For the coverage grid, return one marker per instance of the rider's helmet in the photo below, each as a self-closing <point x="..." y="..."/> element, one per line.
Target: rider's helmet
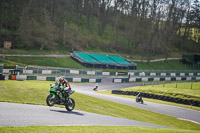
<point x="61" y="79"/>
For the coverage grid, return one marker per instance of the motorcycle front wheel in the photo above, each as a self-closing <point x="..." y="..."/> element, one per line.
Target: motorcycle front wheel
<point x="70" y="104"/>
<point x="136" y="100"/>
<point x="50" y="100"/>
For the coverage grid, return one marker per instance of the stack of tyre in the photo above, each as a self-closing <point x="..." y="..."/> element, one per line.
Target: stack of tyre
<point x="160" y="97"/>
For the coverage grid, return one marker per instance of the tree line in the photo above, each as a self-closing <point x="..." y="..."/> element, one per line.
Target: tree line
<point x="149" y="26"/>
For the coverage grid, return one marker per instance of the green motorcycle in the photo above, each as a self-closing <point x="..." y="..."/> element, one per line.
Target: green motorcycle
<point x="60" y="98"/>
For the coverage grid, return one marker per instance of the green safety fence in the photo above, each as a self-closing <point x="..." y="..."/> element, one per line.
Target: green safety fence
<point x="162" y="79"/>
<point x="98" y="80"/>
<point x="173" y="79"/>
<point x="138" y="79"/>
<point x="84" y="80"/>
<point x="69" y="79"/>
<point x="150" y="79"/>
<point x="50" y="78"/>
<point x="31" y="78"/>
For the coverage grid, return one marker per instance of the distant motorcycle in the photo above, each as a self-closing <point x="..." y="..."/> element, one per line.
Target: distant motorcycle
<point x="139" y="99"/>
<point x="56" y="97"/>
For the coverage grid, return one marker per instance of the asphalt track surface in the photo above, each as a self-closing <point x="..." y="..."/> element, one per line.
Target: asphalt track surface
<point x="14" y="114"/>
<point x="178" y="112"/>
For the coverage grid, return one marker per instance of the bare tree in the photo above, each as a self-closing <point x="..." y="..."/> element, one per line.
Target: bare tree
<point x="195" y="20"/>
<point x="103" y="15"/>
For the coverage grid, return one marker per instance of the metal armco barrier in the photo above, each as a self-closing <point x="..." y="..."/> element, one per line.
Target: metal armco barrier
<point x="160" y="97"/>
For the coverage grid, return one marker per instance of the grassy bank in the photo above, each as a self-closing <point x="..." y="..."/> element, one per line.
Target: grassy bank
<point x="68" y="62"/>
<point x="152" y="100"/>
<point x="34" y="51"/>
<point x="35" y="92"/>
<point x="162" y="65"/>
<point x="91" y="129"/>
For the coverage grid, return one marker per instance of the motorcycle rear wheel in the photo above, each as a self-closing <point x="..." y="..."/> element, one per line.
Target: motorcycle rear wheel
<point x="50" y="101"/>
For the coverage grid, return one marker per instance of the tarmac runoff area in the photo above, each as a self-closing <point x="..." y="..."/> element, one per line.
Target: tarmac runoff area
<point x="14" y="114"/>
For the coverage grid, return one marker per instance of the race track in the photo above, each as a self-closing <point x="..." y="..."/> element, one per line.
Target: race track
<point x="14" y="114"/>
<point x="179" y="112"/>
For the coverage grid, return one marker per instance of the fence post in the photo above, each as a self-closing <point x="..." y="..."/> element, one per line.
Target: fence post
<point x="191" y="85"/>
<point x="37" y="71"/>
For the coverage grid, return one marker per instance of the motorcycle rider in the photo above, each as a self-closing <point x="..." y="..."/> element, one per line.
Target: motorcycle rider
<point x="139" y="98"/>
<point x="64" y="87"/>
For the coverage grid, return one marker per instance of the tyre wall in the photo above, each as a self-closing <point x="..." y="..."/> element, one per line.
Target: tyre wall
<point x="159" y="97"/>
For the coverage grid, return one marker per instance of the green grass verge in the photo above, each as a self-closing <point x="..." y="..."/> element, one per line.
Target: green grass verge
<point x="179" y="90"/>
<point x="65" y="62"/>
<point x="152" y="100"/>
<point x="35" y="92"/>
<point x="68" y="62"/>
<point x="90" y="129"/>
<point x="162" y="65"/>
<point x="34" y="51"/>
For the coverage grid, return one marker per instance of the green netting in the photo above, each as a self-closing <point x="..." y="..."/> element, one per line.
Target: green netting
<point x="119" y="60"/>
